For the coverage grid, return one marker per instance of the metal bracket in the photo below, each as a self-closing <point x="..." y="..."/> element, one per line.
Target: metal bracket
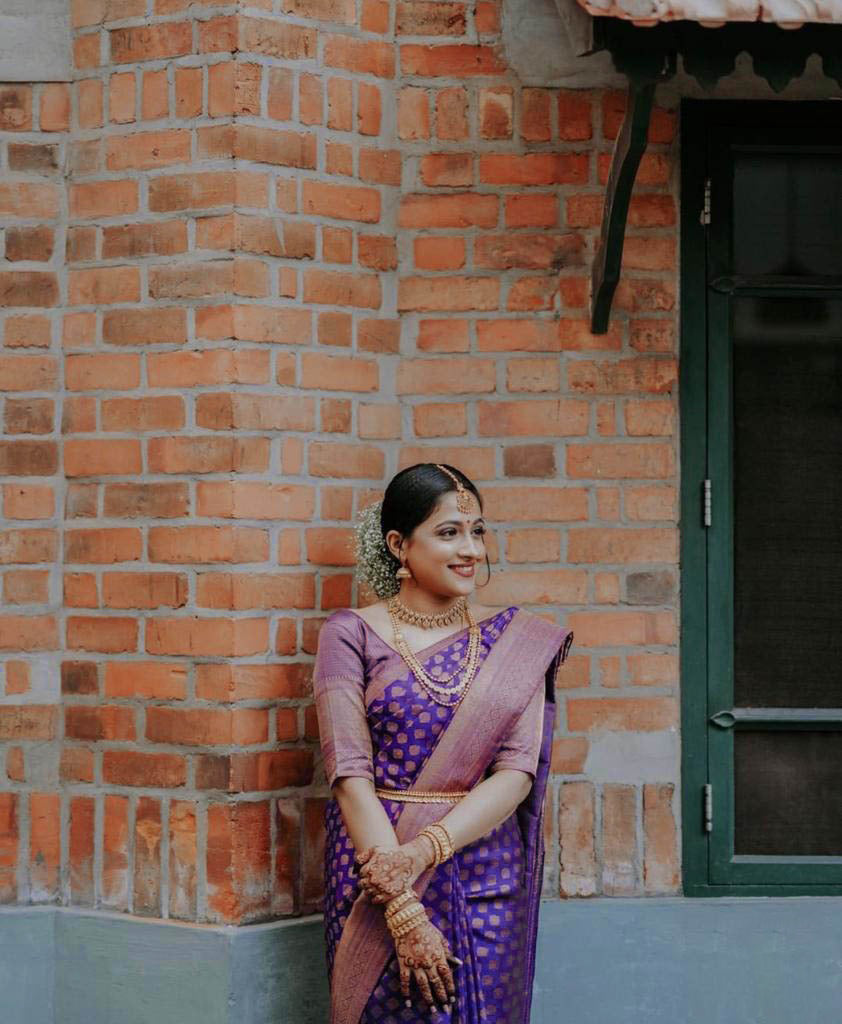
<point x="708" y="797"/>
<point x="704" y="217"/>
<point x="708" y="504"/>
<point x="628" y="151"/>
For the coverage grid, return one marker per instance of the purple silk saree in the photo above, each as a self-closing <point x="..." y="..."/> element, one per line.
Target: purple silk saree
<point x="375" y="721"/>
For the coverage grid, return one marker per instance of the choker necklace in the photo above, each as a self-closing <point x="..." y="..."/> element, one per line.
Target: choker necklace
<point x="397" y="608"/>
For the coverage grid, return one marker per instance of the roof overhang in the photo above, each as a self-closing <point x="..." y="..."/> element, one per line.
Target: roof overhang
<point x="648" y="54"/>
<point x="715" y="13"/>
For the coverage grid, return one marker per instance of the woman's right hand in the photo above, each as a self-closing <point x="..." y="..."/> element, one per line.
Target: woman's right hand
<point x="423" y="954"/>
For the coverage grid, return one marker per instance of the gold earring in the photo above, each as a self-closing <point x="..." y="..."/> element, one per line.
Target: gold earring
<point x="403" y="573"/>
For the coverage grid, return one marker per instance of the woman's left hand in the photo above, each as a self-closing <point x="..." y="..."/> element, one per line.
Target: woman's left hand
<point x="386" y="873"/>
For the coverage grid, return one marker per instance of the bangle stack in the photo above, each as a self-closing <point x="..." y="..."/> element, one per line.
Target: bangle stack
<point x="403" y="913"/>
<point x="442" y="843"/>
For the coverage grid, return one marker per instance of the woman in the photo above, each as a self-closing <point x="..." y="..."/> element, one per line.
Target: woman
<point x="436" y="743"/>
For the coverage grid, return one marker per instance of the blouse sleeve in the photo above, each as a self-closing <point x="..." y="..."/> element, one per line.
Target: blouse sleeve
<point x="522" y="747"/>
<point x="339" y="692"/>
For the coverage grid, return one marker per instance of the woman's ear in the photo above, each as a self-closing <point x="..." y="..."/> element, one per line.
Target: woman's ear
<point x="393" y="543"/>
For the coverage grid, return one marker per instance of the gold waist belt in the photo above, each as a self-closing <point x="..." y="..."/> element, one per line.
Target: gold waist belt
<point x="422" y="796"/>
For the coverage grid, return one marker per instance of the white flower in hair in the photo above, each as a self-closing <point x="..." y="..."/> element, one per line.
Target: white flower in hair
<point x="376" y="565"/>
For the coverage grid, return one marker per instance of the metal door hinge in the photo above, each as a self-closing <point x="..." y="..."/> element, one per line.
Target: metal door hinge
<point x="708" y="797"/>
<point x="707" y="510"/>
<point x="705" y="215"/>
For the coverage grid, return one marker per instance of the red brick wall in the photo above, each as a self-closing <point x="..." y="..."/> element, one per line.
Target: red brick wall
<point x="271" y="258"/>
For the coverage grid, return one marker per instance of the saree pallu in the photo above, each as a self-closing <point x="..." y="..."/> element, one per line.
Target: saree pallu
<point x="377" y="722"/>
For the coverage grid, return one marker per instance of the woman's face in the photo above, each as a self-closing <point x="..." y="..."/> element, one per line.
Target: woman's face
<point x="446" y="540"/>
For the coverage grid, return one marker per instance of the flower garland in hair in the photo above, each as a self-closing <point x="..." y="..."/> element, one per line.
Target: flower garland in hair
<point x="376" y="565"/>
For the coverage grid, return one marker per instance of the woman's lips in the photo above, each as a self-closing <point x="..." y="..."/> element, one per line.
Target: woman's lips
<point x="462" y="570"/>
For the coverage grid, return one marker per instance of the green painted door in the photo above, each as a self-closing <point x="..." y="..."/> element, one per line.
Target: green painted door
<point x="762" y="497"/>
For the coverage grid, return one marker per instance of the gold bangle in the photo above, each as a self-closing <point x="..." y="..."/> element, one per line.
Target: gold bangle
<point x="403" y="915"/>
<point x="406" y="926"/>
<point x="401" y="900"/>
<point x="438" y="849"/>
<point x="409" y="925"/>
<point x="446" y="839"/>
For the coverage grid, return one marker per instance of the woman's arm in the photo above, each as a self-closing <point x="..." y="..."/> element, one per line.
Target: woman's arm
<point x="364" y="816"/>
<point x="487" y="805"/>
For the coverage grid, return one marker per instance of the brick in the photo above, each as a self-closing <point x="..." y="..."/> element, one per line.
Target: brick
<point x="276" y="39"/>
<point x="151" y="42"/>
<point x="238" y="861"/>
<point x="414" y="18"/>
<point x="361" y="56"/>
<point x="531" y="460"/>
<point x="533" y="545"/>
<point x="618" y="628"/>
<point x="219" y="35"/>
<point x="87" y="51"/>
<point x="347" y="461"/>
<point x="28" y="416"/>
<point x="342" y="202"/>
<point x="92" y="372"/>
<point x="182" y="859"/>
<point x="375" y="16"/>
<point x="144" y="326"/>
<point x="115" y="850"/>
<point x="447" y="169"/>
<point x="255" y="412"/>
<point x="574" y="116"/>
<point x="652" y="335"/>
<point x="55" y="107"/>
<point x="619" y="840"/>
<point x="450" y="61"/>
<point x="149" y="770"/>
<point x="76" y="764"/>
<point x="44" y="847"/>
<point x="191" y="280"/>
<point x="535" y="115"/>
<point x="439" y="253"/>
<point x="208" y="368"/>
<point x="28" y="288"/>
<point x="121" y="98"/>
<point x="16" y="108"/>
<point x="529" y="251"/>
<point x="272" y="146"/>
<point x="661" y="871"/>
<point x="340" y="104"/>
<point x="650" y="419"/>
<point x="335" y="289"/>
<point x="99" y="723"/>
<point x="207" y="727"/>
<point x="27" y="722"/>
<point x="103" y="199"/>
<point x="146" y="680"/>
<point x="239" y="591"/>
<point x="377" y="252"/>
<point x="146" y="881"/>
<point x="620" y="461"/>
<point x="496" y="113"/>
<point x="189" y="85"/>
<point x="104" y="286"/>
<point x="154" y="101"/>
<point x="209" y="637"/>
<point x="460" y="210"/>
<point x="160" y="238"/>
<point x="369" y="109"/>
<point x="147" y="150"/>
<point x="576" y="828"/>
<point x="534" y="168"/>
<point x="380" y="166"/>
<point x="29" y="244"/>
<point x="28" y="502"/>
<point x="533" y="418"/>
<point x="533" y="375"/>
<point x="540" y="211"/>
<point x="26" y="587"/>
<point x="413" y="113"/>
<point x="661" y="125"/>
<point x="41" y="159"/>
<point x="452" y="114"/>
<point x="108" y="635"/>
<point x="615" y="545"/>
<point x="542" y="504"/>
<point x="86" y="13"/>
<point x="448" y="293"/>
<point x="29" y="199"/>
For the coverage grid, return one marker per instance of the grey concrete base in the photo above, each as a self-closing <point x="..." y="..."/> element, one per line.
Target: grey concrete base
<point x="600" y="961"/>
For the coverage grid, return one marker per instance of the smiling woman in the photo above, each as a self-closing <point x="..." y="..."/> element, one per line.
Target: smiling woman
<point x="436" y="745"/>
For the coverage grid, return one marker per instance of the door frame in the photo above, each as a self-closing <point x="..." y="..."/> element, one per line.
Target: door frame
<point x="702" y="312"/>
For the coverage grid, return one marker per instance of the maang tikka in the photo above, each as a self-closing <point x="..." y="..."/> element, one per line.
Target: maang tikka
<point x="464" y="501"/>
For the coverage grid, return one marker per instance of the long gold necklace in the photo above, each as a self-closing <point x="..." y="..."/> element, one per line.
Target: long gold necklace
<point x="455" y="694"/>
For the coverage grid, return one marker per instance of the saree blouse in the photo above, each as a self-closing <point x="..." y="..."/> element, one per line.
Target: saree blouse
<point x="351" y="653"/>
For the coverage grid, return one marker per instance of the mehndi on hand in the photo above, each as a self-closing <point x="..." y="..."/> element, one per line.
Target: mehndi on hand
<point x="385" y="873"/>
<point x="423" y="954"/>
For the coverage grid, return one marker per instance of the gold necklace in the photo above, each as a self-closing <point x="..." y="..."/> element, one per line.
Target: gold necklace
<point x="427" y="621"/>
<point x="430" y="685"/>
